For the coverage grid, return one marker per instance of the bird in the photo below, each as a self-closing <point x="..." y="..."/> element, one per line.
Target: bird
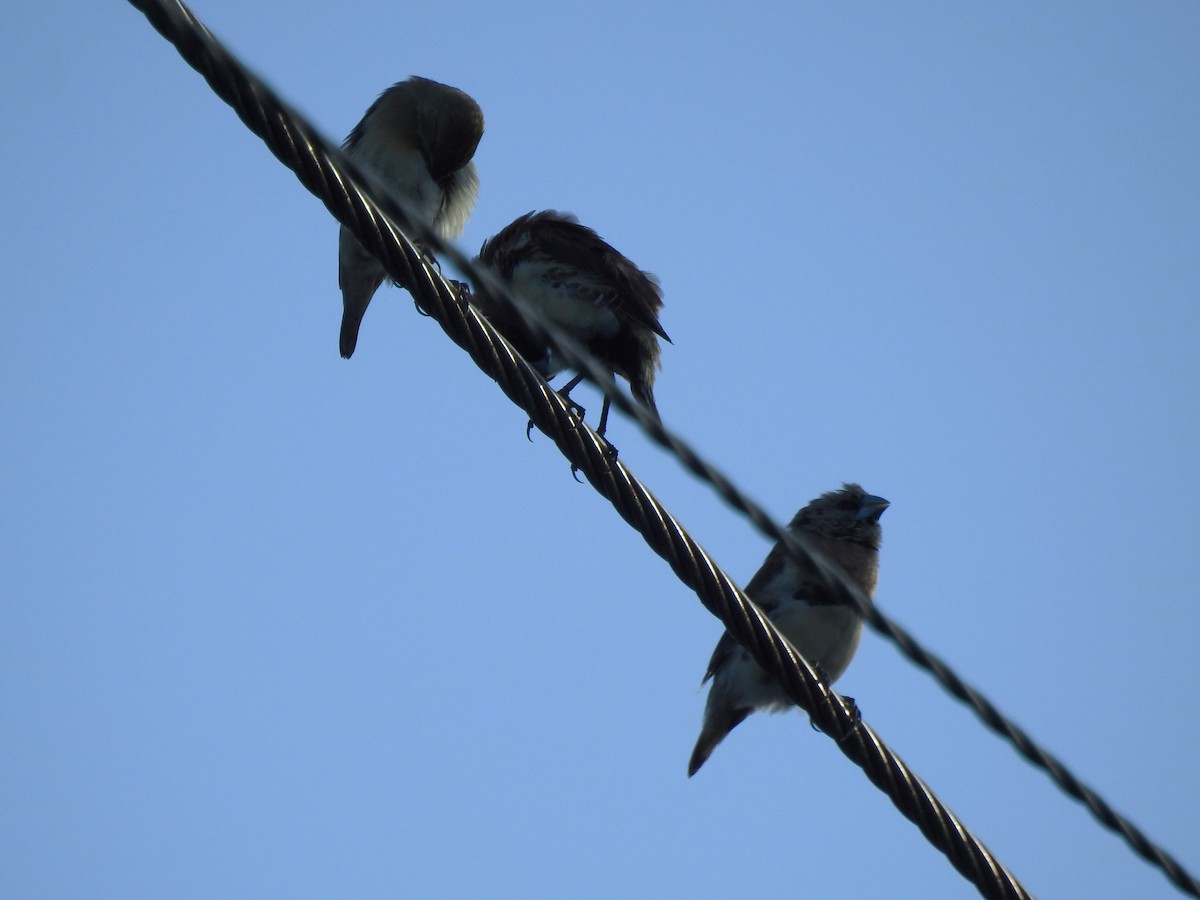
<point x="843" y="525"/>
<point x="586" y="287"/>
<point x="417" y="140"/>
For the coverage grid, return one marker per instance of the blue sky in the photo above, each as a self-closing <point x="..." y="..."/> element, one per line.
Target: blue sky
<point x="278" y="624"/>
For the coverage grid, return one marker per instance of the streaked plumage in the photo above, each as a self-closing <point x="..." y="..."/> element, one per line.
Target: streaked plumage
<point x="844" y="526"/>
<point x="586" y="287"/>
<point x="417" y="139"/>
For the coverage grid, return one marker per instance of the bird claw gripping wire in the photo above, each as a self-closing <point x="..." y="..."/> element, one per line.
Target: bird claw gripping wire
<point x="575" y="408"/>
<point x="431" y="261"/>
<point x="851" y="707"/>
<point x="848" y="703"/>
<point x="610" y="457"/>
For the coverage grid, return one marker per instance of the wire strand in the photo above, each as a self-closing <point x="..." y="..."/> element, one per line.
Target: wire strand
<point x="382" y="229"/>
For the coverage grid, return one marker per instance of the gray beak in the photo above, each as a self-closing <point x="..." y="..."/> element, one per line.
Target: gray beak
<point x="872" y="507"/>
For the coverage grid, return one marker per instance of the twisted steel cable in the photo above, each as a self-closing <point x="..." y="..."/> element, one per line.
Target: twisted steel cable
<point x="340" y="185"/>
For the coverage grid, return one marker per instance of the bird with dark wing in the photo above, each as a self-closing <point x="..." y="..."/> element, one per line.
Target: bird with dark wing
<point x="842" y="525"/>
<point x="583" y="285"/>
<point x="417" y="140"/>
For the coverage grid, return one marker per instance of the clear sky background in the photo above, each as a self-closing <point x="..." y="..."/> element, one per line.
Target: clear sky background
<point x="275" y="624"/>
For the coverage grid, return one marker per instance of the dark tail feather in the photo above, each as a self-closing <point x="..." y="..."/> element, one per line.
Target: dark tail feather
<point x="704" y="748"/>
<point x="715" y="729"/>
<point x="359" y="276"/>
<point x="348" y="339"/>
<point x="644" y="392"/>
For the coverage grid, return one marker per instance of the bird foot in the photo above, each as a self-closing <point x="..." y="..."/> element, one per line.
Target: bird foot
<point x="823" y="677"/>
<point x="610" y="450"/>
<point x="576" y="410"/>
<point x="432" y="262"/>
<point x="610" y="457"/>
<point x="851" y="707"/>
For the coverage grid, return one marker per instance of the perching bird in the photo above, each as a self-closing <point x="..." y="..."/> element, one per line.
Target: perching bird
<point x="585" y="287"/>
<point x="844" y="526"/>
<point x="417" y="139"/>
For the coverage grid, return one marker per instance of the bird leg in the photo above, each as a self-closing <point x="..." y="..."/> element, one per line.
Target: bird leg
<point x="603" y="418"/>
<point x="611" y="448"/>
<point x="565" y="393"/>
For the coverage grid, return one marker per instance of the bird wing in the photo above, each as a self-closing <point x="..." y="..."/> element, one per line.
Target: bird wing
<point x="631" y="293"/>
<point x="767" y="601"/>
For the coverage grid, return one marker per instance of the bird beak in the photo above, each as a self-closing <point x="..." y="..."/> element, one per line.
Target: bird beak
<point x="872" y="507"/>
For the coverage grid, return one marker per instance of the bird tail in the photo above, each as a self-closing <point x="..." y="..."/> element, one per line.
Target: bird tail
<point x="644" y="392"/>
<point x="717" y="724"/>
<point x="348" y="338"/>
<point x="359" y="276"/>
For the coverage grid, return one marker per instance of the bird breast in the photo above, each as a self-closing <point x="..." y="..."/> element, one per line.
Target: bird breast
<point x="824" y="635"/>
<point x="401" y="169"/>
